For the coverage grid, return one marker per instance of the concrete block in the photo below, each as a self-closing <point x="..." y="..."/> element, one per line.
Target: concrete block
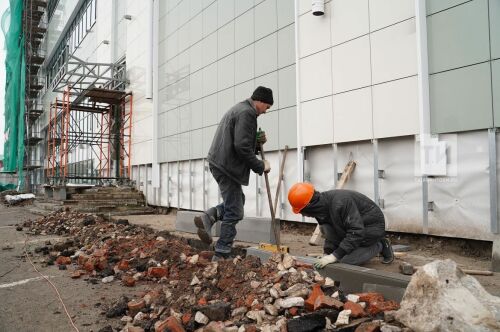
<point x="353" y="278"/>
<point x="254" y="230"/>
<point x="59" y="193"/>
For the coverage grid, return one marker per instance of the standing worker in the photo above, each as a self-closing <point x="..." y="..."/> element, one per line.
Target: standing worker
<point x="231" y="157"/>
<point x="352" y="224"/>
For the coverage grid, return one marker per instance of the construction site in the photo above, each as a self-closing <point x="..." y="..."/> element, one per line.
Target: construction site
<point x="365" y="198"/>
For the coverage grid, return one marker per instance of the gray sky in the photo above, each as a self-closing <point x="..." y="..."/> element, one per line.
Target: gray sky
<point x="3" y="6"/>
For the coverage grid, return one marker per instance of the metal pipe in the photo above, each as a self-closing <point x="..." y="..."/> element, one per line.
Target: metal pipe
<point x="376" y="194"/>
<point x="424" y="104"/>
<point x="152" y="7"/>
<point x="300" y="165"/>
<point x="493" y="180"/>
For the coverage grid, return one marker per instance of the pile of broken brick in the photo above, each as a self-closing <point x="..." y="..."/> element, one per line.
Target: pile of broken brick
<point x="188" y="292"/>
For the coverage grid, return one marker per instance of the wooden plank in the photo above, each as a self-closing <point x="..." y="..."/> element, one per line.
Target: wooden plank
<point x="346" y="175"/>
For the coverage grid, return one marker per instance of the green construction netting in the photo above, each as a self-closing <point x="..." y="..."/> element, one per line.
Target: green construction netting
<point x="15" y="73"/>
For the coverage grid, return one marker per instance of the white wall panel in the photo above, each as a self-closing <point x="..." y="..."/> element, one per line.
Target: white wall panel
<point x="317" y="119"/>
<point x="209" y="49"/>
<point x="244" y="30"/>
<point x="251" y="196"/>
<point x="195" y="57"/>
<point x="266" y="55"/>
<point x="209" y="107"/>
<point x="286" y="13"/>
<point x="352" y="116"/>
<point x="184" y="185"/>
<point x="461" y="203"/>
<point x="304" y="7"/>
<point x="243" y="91"/>
<point x="244" y="64"/>
<point x="288" y="127"/>
<point x="225" y="100"/>
<point x="196" y="110"/>
<point x="195" y="29"/>
<point x="226" y="40"/>
<point x="174" y="184"/>
<point x="209" y="79"/>
<point x="184" y="12"/>
<point x="196" y="144"/>
<point x="314" y="33"/>
<point x="209" y="17"/>
<point x="286" y="84"/>
<point x="225" y="72"/>
<point x="286" y="46"/>
<point x="387" y="12"/>
<point x="320" y="167"/>
<point x="394" y="52"/>
<point x="400" y="190"/>
<point x="164" y="183"/>
<point x="184" y="146"/>
<point x="350" y="65"/>
<point x="266" y="20"/>
<point x="434" y="6"/>
<point x="362" y="154"/>
<point x="494" y="18"/>
<point x="349" y="19"/>
<point x="196" y="85"/>
<point x="242" y="6"/>
<point x="197" y="183"/>
<point x="173" y="120"/>
<point x="269" y="123"/>
<point x="225" y="11"/>
<point x="208" y="136"/>
<point x="185" y="118"/>
<point x="315" y="75"/>
<point x="395" y="108"/>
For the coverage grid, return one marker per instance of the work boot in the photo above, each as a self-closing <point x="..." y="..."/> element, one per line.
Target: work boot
<point x="387" y="252"/>
<point x="204" y="223"/>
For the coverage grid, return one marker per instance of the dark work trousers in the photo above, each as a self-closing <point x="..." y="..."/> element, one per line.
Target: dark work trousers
<point x="361" y="255"/>
<point x="230" y="211"/>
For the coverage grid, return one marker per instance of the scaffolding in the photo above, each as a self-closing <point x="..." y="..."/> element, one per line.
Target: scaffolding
<point x="105" y="129"/>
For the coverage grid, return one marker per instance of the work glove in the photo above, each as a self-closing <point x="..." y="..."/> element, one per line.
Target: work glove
<point x="261" y="137"/>
<point x="267" y="166"/>
<point x="325" y="260"/>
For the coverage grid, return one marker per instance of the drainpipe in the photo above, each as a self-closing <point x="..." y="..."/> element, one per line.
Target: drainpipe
<point x="300" y="152"/>
<point x="423" y="97"/>
<point x="152" y="25"/>
<point x="155" y="11"/>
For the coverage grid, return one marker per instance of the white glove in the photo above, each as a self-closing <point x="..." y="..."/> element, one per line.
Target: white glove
<point x="267" y="166"/>
<point x="325" y="260"/>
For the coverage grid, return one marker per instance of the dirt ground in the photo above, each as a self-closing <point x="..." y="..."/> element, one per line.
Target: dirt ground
<point x="30" y="304"/>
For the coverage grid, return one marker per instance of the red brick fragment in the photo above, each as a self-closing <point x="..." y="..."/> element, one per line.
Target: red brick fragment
<point x="63" y="260"/>
<point x="99" y="253"/>
<point x="299" y="264"/>
<point x="101" y="264"/>
<point x="202" y="301"/>
<point x="249" y="300"/>
<point x="157" y="272"/>
<point x="356" y="309"/>
<point x="82" y="259"/>
<point x="186" y="318"/>
<point x="135" y="306"/>
<point x="312" y="298"/>
<point x="225" y="283"/>
<point x="293" y="311"/>
<point x="170" y="324"/>
<point x="327" y="302"/>
<point x="128" y="281"/>
<point x="123" y="265"/>
<point x="382" y="306"/>
<point x="368" y="327"/>
<point x="370" y="297"/>
<point x="89" y="265"/>
<point x="76" y="274"/>
<point x="250" y="328"/>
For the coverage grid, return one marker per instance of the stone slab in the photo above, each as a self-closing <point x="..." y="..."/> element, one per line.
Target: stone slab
<point x="353" y="278"/>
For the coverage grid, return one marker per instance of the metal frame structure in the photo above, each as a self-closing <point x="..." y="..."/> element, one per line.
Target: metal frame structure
<point x="103" y="128"/>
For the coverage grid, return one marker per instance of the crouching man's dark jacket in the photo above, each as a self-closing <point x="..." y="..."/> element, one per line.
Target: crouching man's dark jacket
<point x="234" y="145"/>
<point x="348" y="220"/>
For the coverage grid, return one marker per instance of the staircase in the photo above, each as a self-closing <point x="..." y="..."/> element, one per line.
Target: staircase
<point x="107" y="200"/>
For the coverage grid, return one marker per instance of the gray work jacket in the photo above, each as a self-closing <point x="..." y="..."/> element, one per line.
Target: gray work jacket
<point x="234" y="145"/>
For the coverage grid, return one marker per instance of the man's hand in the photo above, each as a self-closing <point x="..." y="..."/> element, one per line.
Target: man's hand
<point x="325" y="260"/>
<point x="267" y="166"/>
<point x="261" y="137"/>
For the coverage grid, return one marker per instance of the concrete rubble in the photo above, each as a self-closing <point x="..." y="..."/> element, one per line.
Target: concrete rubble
<point x="440" y="297"/>
<point x="188" y="292"/>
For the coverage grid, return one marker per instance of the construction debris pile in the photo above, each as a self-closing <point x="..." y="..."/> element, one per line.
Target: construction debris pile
<point x="189" y="292"/>
<point x="13" y="197"/>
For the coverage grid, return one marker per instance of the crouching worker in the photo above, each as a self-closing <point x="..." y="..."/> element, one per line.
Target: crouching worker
<point x="352" y="224"/>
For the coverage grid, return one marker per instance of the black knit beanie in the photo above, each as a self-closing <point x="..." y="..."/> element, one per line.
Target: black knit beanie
<point x="263" y="94"/>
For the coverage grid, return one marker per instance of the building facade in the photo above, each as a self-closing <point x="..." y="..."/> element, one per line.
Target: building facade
<point x="409" y="89"/>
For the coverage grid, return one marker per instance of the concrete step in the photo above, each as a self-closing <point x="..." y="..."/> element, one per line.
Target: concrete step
<point x="114" y="202"/>
<point x="109" y="190"/>
<point x="107" y="196"/>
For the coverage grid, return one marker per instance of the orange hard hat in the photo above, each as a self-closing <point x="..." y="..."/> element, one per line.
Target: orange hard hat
<point x="299" y="195"/>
